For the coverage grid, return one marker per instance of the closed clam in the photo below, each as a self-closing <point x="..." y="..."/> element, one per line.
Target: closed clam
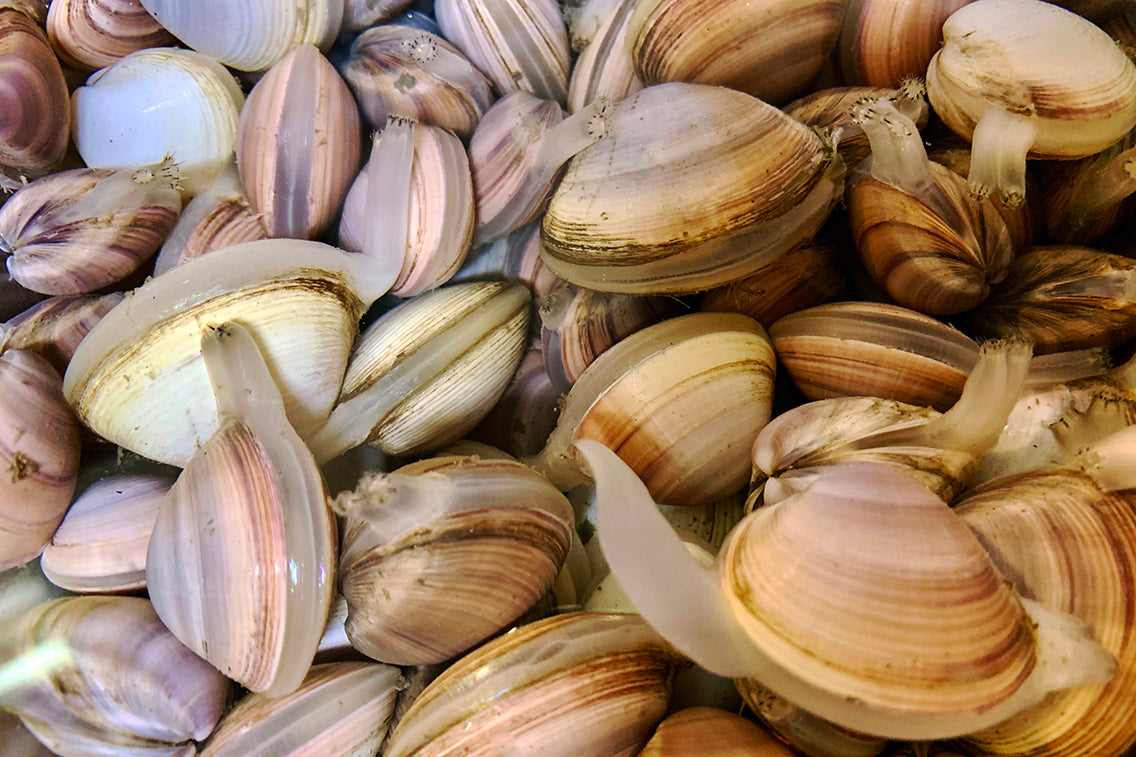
<point x="427" y="372"/>
<point x="604" y="68"/>
<point x="37" y="111"/>
<point x="526" y="413"/>
<point x="406" y="72"/>
<point x="81" y="230"/>
<point x="1022" y="77"/>
<point x="693" y="186"/>
<point x="579" y="683"/>
<point x="443" y="553"/>
<point x="155" y="103"/>
<point x="54" y="327"/>
<point x="241" y="560"/>
<point x="138" y="380"/>
<point x="681" y="401"/>
<point x="95" y="33"/>
<point x="770" y="50"/>
<point x="254" y="36"/>
<point x="883" y="42"/>
<point x="1088" y="198"/>
<point x="297" y="157"/>
<point x="340" y="710"/>
<point x="867" y="349"/>
<point x="39" y="455"/>
<point x="705" y="730"/>
<point x="105" y="678"/>
<point x="889" y="618"/>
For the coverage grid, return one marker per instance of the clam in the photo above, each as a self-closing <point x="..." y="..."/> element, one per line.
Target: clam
<point x="705" y="730"/>
<point x="411" y="208"/>
<point x="1053" y="86"/>
<point x="1088" y="198"/>
<point x="39" y="455"/>
<point x="770" y="50"/>
<point x="427" y="372"/>
<point x="525" y="415"/>
<point x="81" y="230"/>
<point x="517" y="45"/>
<point x="579" y="683"/>
<point x="693" y="187"/>
<point x="102" y="677"/>
<point x="37" y="111"/>
<point x="884" y="42"/>
<point x="362" y="14"/>
<point x="89" y="34"/>
<point x="1063" y="298"/>
<point x="443" y="553"/>
<point x="252" y="37"/>
<point x="920" y="234"/>
<point x="866" y="349"/>
<point x="887" y="618"/>
<point x="604" y="68"/>
<point x="298" y="144"/>
<point x="54" y="327"/>
<point x="401" y="71"/>
<point x="940" y="450"/>
<point x="681" y="401"/>
<point x="340" y="710"/>
<point x="101" y="544"/>
<point x="138" y="379"/>
<point x="155" y="103"/>
<point x="241" y="560"/>
<point x="1070" y="544"/>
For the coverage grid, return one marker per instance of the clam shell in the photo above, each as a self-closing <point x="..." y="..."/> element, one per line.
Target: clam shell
<point x="696" y="186"/>
<point x="680" y="402"/>
<point x="517" y="45"/>
<point x="155" y="103"/>
<point x="253" y="36"/>
<point x="340" y="710"/>
<point x="444" y="553"/>
<point x="884" y="42"/>
<point x="297" y="157"/>
<point x="113" y="681"/>
<point x="39" y="455"/>
<point x="864" y="349"/>
<point x="95" y="33"/>
<point x="771" y="50"/>
<point x="409" y="73"/>
<point x="427" y="372"/>
<point x="1062" y="298"/>
<point x="604" y="68"/>
<point x="580" y="683"/>
<point x="55" y="327"/>
<point x="101" y="544"/>
<point x="525" y="415"/>
<point x="35" y="102"/>
<point x="705" y="730"/>
<point x="138" y="379"/>
<point x="1072" y="548"/>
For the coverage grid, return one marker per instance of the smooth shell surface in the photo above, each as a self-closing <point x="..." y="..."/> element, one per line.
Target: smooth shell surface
<point x="96" y="33"/>
<point x="37" y="114"/>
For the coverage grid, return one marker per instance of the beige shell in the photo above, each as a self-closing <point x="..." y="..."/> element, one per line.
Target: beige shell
<point x="95" y="33"/>
<point x="106" y="678"/>
<point x="884" y="42"/>
<point x="241" y="560"/>
<point x="770" y="50"/>
<point x="698" y="731"/>
<point x="604" y="68"/>
<point x="33" y="142"/>
<point x="681" y="402"/>
<point x="138" y="379"/>
<point x="1072" y="548"/>
<point x="254" y="36"/>
<point x="401" y="71"/>
<point x="443" y="553"/>
<point x="579" y="683"/>
<point x="1063" y="298"/>
<point x="55" y="327"/>
<point x="340" y="709"/>
<point x="517" y="45"/>
<point x="865" y="349"/>
<point x="298" y="145"/>
<point x="101" y="544"/>
<point x="427" y="372"/>
<point x="526" y="413"/>
<point x="693" y="187"/>
<point x="39" y="455"/>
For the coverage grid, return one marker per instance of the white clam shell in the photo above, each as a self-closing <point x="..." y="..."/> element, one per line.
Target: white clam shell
<point x="159" y="102"/>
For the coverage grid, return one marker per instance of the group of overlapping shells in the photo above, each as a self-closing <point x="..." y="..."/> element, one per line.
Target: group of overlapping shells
<point x="486" y="377"/>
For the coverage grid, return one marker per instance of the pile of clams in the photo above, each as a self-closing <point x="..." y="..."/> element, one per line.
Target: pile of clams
<point x="583" y="378"/>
